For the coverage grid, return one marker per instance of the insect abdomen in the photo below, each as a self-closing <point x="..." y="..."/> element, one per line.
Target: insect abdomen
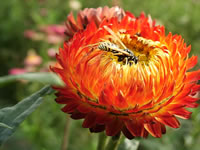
<point x="110" y="47"/>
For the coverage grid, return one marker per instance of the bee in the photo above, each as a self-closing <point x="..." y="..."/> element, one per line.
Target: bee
<point x="125" y="52"/>
<point x="122" y="53"/>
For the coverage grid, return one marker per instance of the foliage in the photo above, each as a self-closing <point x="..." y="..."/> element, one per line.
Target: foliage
<point x="45" y="78"/>
<point x="11" y="117"/>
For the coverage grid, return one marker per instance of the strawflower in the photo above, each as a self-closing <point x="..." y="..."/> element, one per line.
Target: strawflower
<point x="116" y="93"/>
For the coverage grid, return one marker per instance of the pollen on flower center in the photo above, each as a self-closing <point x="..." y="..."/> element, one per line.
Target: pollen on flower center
<point x="141" y="50"/>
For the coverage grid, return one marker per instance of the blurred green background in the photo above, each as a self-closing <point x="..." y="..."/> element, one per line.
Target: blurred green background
<point x="44" y="129"/>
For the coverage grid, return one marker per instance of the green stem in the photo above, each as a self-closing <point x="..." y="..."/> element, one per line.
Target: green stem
<point x="113" y="142"/>
<point x="66" y="134"/>
<point x="102" y="141"/>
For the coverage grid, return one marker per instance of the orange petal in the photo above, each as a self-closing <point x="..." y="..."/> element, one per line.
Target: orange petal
<point x="136" y="128"/>
<point x="192" y="62"/>
<point x="89" y="120"/>
<point x="114" y="127"/>
<point x="193" y="76"/>
<point x="70" y="107"/>
<point x="154" y="129"/>
<point x="170" y="121"/>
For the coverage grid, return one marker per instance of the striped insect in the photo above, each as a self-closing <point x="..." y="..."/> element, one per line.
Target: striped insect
<point x="111" y="47"/>
<point x="125" y="53"/>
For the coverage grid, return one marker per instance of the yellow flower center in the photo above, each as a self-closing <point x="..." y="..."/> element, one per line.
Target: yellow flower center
<point x="129" y="50"/>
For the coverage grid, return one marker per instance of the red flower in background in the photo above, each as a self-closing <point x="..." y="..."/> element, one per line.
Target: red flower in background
<point x="122" y="74"/>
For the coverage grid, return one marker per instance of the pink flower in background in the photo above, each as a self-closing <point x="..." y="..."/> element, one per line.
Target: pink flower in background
<point x="15" y="71"/>
<point x="52" y="52"/>
<point x="55" y="34"/>
<point x="31" y="62"/>
<point x="49" y="34"/>
<point x="30" y="34"/>
<point x="54" y="39"/>
<point x="52" y="34"/>
<point x="53" y="29"/>
<point x="32" y="59"/>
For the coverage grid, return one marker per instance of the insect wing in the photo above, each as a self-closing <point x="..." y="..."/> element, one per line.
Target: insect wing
<point x="115" y="36"/>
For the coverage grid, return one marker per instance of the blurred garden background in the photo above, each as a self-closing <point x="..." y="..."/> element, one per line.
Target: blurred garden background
<point x="31" y="31"/>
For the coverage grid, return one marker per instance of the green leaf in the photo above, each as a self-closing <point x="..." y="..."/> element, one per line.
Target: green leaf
<point x="4" y="125"/>
<point x="15" y="115"/>
<point x="42" y="77"/>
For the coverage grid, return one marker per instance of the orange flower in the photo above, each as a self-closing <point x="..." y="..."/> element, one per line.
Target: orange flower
<point x="125" y="75"/>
